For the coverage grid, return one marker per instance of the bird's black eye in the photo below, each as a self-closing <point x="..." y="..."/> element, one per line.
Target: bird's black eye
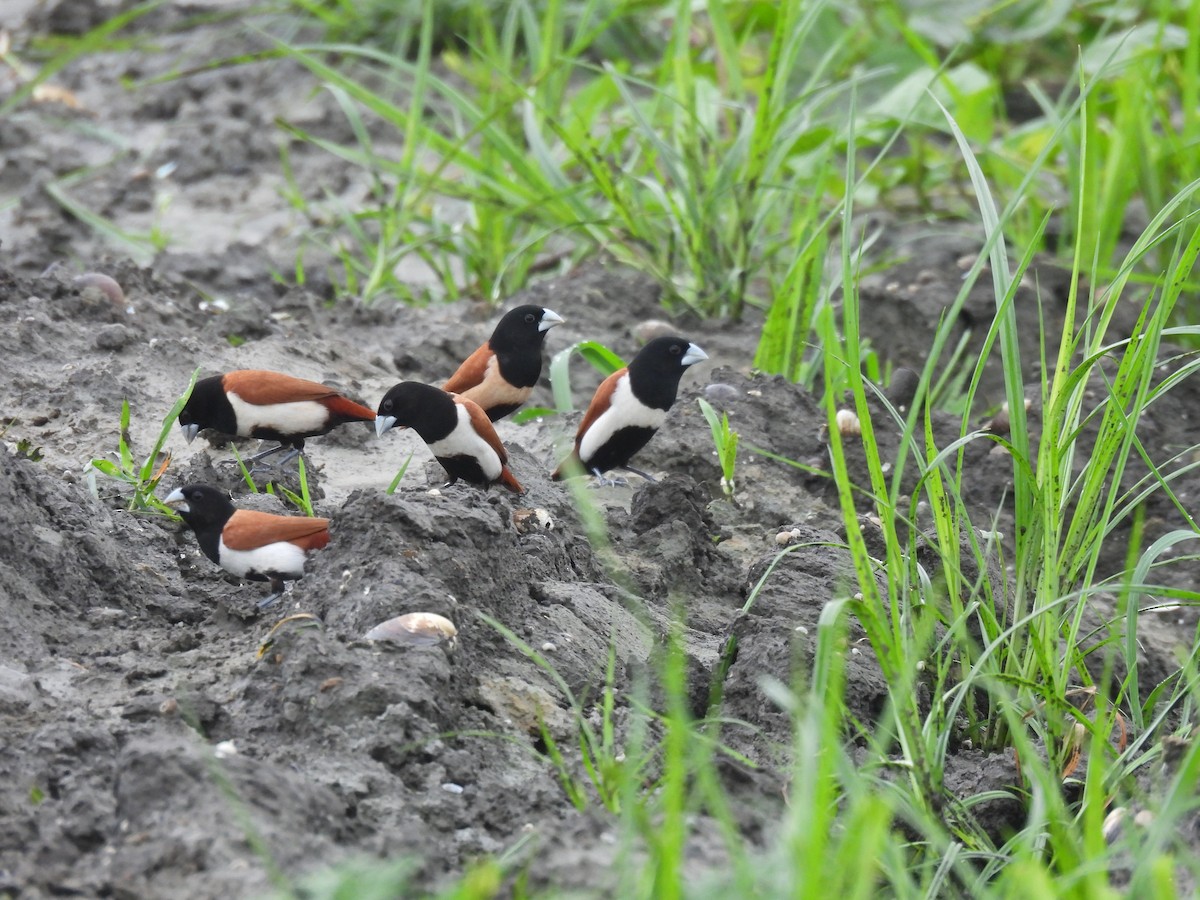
<point x="387" y="404"/>
<point x="676" y="349"/>
<point x="530" y="318"/>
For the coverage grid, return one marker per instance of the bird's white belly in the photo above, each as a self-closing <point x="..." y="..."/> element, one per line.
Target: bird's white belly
<point x="465" y="441"/>
<point x="289" y="418"/>
<point x="281" y="558"/>
<point x="624" y="411"/>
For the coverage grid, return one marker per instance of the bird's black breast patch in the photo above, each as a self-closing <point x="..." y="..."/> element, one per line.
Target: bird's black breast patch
<point x="465" y="467"/>
<point x="521" y="369"/>
<point x="619" y="449"/>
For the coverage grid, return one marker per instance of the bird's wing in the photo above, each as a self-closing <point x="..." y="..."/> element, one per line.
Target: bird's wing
<point x="483" y="427"/>
<point x="265" y="388"/>
<point x="471" y="372"/>
<point x="249" y="529"/>
<point x="601" y="401"/>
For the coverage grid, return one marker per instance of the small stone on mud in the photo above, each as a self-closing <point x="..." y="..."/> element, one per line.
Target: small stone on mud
<point x="114" y="337"/>
<point x="168" y="707"/>
<point x="903" y="388"/>
<point x="549" y="647"/>
<point x="721" y="395"/>
<point x="104" y="614"/>
<point x="451" y="788"/>
<point x="650" y="329"/>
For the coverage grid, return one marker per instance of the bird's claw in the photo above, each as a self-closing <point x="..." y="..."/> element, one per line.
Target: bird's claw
<point x="603" y="481"/>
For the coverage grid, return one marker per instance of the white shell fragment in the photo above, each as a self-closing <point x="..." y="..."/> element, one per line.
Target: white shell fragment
<point x="225" y="749"/>
<point x="787" y="537"/>
<point x="847" y="422"/>
<point x="104" y="285"/>
<point x="420" y="629"/>
<point x="527" y="520"/>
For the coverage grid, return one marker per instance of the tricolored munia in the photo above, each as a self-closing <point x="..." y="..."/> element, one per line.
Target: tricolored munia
<point x="502" y="373"/>
<point x="254" y="545"/>
<point x="629" y="406"/>
<point x="269" y="405"/>
<point x="457" y="430"/>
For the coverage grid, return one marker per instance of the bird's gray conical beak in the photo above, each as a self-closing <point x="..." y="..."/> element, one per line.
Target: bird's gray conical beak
<point x="190" y="431"/>
<point x="549" y="319"/>
<point x="175" y="500"/>
<point x="694" y="355"/>
<point x="383" y="424"/>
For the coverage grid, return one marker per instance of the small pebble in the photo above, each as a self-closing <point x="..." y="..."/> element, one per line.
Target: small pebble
<point x="650" y="329"/>
<point x="451" y="788"/>
<point x="548" y="647"/>
<point x="721" y="395"/>
<point x="114" y="337"/>
<point x="105" y="614"/>
<point x="903" y="388"/>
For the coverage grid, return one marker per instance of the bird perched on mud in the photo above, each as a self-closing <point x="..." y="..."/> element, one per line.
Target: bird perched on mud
<point x="268" y="405"/>
<point x="501" y="374"/>
<point x="254" y="545"/>
<point x="628" y="407"/>
<point x="457" y="430"/>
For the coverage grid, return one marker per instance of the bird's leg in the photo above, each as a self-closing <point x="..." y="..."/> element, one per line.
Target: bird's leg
<point x="265" y="453"/>
<point x="604" y="481"/>
<point x="286" y="458"/>
<point x="276" y="592"/>
<point x="275" y="464"/>
<point x="649" y="478"/>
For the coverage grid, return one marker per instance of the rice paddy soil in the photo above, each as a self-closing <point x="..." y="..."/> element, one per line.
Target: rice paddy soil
<point x="162" y="738"/>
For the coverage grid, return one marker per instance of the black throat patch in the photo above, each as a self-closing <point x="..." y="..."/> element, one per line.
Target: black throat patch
<point x="208" y="407"/>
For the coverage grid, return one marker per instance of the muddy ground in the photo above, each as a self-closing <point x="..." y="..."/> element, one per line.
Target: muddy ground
<point x="148" y="749"/>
